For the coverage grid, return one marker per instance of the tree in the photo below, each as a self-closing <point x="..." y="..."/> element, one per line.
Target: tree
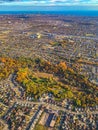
<point x="62" y="65"/>
<point x="78" y="102"/>
<point x="22" y="74"/>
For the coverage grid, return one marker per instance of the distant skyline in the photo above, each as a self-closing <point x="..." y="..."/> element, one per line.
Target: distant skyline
<point x="37" y="5"/>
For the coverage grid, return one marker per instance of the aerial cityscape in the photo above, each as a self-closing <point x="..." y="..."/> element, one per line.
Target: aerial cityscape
<point x="48" y="65"/>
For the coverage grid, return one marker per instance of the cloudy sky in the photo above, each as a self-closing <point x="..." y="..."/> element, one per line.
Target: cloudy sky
<point x="87" y="4"/>
<point x="49" y="2"/>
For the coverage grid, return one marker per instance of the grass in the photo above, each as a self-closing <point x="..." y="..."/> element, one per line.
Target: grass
<point x="43" y="75"/>
<point x="40" y="127"/>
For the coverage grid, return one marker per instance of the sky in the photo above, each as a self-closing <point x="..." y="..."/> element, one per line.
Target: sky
<point x="48" y="4"/>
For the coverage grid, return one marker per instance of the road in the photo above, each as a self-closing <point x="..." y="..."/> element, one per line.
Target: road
<point x="74" y="36"/>
<point x="52" y="106"/>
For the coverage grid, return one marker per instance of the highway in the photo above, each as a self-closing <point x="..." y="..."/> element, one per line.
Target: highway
<point x="73" y="36"/>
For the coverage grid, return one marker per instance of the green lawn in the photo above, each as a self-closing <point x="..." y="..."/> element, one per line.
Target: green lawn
<point x="40" y="127"/>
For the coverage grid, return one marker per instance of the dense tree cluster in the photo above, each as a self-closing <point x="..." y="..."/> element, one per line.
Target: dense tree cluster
<point x="70" y="84"/>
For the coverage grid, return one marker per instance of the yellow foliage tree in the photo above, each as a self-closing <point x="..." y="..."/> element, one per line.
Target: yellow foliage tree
<point x="22" y="74"/>
<point x="62" y="65"/>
